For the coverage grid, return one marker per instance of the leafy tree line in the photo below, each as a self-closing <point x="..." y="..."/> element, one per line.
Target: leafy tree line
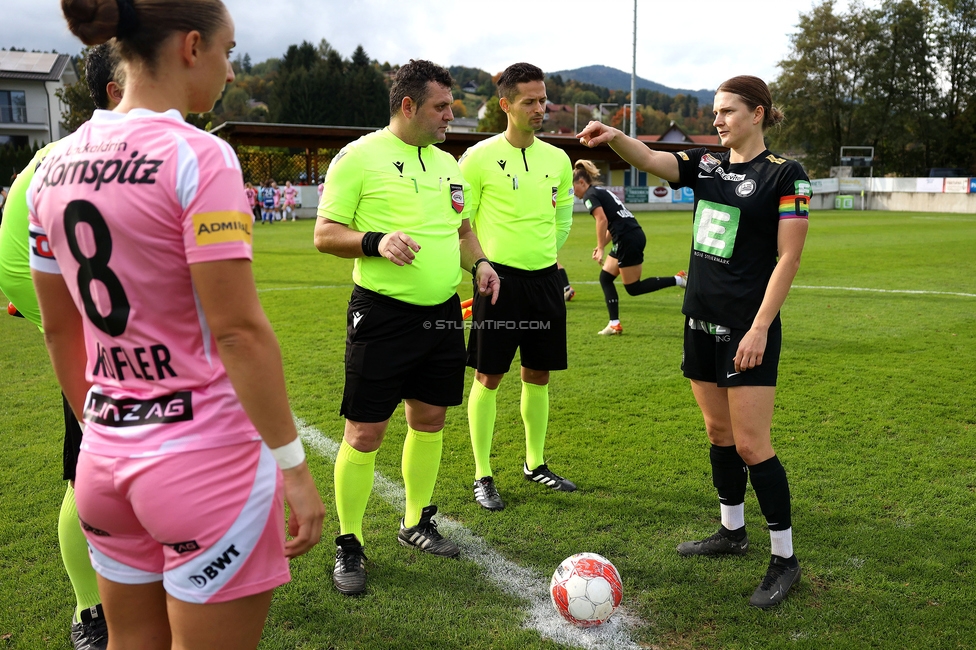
<point x="900" y="77"/>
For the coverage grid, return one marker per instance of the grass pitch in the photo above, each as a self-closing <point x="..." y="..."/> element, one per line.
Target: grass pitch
<point x="874" y="422"/>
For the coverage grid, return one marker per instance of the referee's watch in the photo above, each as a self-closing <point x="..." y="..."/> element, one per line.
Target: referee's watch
<point x="474" y="269"/>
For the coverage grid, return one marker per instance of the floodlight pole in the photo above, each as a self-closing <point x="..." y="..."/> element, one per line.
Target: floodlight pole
<point x="633" y="97"/>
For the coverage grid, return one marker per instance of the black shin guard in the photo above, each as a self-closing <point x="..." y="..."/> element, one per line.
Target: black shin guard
<point x="610" y="294"/>
<point x="648" y="285"/>
<point x="729" y="475"/>
<point x="772" y="492"/>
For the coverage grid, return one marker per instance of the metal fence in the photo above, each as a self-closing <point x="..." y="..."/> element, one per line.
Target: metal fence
<point x="301" y="168"/>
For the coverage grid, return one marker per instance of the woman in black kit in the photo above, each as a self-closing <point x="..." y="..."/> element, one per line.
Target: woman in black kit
<point x="615" y="222"/>
<point x="751" y="210"/>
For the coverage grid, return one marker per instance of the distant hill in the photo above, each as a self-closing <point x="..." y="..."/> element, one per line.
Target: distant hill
<point x="601" y="75"/>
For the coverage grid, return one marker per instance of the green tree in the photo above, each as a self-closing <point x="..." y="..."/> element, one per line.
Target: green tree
<point x="495" y="119"/>
<point x="821" y="88"/>
<point x="76" y="102"/>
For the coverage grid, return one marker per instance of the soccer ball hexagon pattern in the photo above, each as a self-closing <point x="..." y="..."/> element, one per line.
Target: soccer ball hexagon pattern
<point x="586" y="589"/>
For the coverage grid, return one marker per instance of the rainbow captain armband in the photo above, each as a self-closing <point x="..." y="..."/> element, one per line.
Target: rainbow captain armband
<point x="796" y="206"/>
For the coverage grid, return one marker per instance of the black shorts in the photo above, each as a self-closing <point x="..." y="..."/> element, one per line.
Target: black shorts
<point x="397" y="351"/>
<point x="530" y="316"/>
<point x="709" y="356"/>
<point x="72" y="441"/>
<point x="629" y="249"/>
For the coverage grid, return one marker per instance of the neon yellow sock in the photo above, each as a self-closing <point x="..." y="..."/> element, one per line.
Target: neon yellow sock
<point x="535" y="415"/>
<point x="481" y="419"/>
<point x="353" y="484"/>
<point x="74" y="554"/>
<point x="420" y="462"/>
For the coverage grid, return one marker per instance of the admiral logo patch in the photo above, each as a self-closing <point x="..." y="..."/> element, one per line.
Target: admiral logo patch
<point x="709" y="162"/>
<point x="457" y="197"/>
<point x="222" y="227"/>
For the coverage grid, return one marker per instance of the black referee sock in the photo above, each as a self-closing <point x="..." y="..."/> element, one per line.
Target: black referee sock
<point x="610" y="294"/>
<point x="648" y="285"/>
<point x="729" y="475"/>
<point x="773" y="492"/>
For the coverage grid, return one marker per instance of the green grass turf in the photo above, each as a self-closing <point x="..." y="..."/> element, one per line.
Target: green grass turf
<point x="874" y="422"/>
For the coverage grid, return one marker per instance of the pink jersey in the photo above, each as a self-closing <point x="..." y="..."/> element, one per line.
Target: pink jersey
<point x="290" y="193"/>
<point x="252" y="196"/>
<point x="121" y="208"/>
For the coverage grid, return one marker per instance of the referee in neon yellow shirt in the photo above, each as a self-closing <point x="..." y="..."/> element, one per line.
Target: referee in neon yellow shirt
<point x="522" y="209"/>
<point x="398" y="205"/>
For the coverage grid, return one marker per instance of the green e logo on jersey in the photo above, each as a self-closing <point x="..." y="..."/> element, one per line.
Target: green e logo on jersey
<point x="715" y="228"/>
<point x="802" y="188"/>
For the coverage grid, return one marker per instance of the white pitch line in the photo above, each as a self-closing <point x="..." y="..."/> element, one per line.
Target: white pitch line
<point x="515" y="580"/>
<point x="905" y="291"/>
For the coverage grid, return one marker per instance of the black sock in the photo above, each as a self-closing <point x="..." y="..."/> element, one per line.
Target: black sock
<point x="564" y="278"/>
<point x="729" y="475"/>
<point x="648" y="285"/>
<point x="610" y="294"/>
<point x="773" y="492"/>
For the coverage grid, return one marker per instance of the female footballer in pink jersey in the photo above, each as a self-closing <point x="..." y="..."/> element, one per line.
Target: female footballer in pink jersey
<point x="140" y="254"/>
<point x="289" y="192"/>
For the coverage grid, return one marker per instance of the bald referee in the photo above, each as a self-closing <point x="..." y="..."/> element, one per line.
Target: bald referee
<point x="398" y="205"/>
<point x="522" y="209"/>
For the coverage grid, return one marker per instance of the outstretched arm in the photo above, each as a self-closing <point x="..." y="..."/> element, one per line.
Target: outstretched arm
<point x="660" y="163"/>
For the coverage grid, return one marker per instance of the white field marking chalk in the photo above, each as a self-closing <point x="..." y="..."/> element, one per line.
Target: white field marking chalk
<point x="511" y="578"/>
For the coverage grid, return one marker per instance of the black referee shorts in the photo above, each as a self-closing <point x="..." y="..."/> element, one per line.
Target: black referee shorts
<point x="629" y="249"/>
<point x="709" y="356"/>
<point x="397" y="351"/>
<point x="72" y="441"/>
<point x="530" y="316"/>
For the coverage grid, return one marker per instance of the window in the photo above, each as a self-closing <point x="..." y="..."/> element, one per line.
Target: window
<point x="13" y="106"/>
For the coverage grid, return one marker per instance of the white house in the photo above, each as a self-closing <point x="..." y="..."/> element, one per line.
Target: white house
<point x="29" y="110"/>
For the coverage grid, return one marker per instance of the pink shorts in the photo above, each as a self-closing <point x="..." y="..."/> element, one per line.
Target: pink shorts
<point x="208" y="523"/>
<point x="289" y="203"/>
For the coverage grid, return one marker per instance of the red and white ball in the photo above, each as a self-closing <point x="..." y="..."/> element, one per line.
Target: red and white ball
<point x="586" y="589"/>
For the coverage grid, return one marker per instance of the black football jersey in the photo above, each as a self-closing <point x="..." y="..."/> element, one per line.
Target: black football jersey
<point x="738" y="208"/>
<point x="620" y="220"/>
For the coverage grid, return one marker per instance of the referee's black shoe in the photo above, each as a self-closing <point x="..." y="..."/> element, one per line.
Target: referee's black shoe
<point x="425" y="536"/>
<point x="349" y="575"/>
<point x="721" y="543"/>
<point x="487" y="495"/>
<point x="544" y="476"/>
<point x="91" y="632"/>
<point x="782" y="574"/>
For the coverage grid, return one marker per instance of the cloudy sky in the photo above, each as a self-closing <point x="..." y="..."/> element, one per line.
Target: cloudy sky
<point x="682" y="44"/>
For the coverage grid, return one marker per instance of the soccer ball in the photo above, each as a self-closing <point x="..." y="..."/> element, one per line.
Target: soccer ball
<point x="586" y="589"/>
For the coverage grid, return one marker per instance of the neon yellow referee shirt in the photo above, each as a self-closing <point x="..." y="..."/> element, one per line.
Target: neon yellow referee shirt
<point x="15" y="276"/>
<point x="380" y="183"/>
<point x="521" y="200"/>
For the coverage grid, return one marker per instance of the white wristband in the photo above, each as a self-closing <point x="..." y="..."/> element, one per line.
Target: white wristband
<point x="290" y="455"/>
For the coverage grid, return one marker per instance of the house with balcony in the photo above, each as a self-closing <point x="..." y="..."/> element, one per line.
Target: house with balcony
<point x="30" y="112"/>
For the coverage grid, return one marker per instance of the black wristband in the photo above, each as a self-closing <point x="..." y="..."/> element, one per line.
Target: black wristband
<point x="474" y="269"/>
<point x="371" y="243"/>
